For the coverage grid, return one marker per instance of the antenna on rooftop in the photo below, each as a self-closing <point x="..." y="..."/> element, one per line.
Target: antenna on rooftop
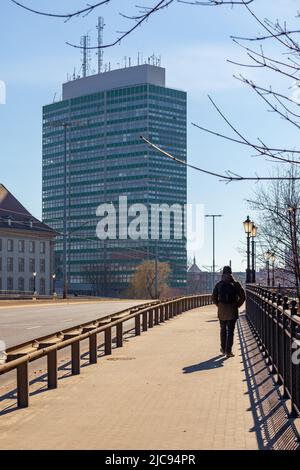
<point x="85" y="43"/>
<point x="100" y="52"/>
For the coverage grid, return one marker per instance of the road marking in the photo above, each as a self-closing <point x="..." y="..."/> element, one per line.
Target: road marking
<point x="33" y="327"/>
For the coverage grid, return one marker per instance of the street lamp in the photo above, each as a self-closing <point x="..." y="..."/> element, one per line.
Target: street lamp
<point x="268" y="255"/>
<point x="273" y="258"/>
<point x="213" y="216"/>
<point x="253" y="235"/>
<point x="34" y="283"/>
<point x="53" y="283"/>
<point x="248" y="225"/>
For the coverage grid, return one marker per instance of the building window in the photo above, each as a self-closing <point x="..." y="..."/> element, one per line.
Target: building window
<point x="42" y="287"/>
<point x="21" y="265"/>
<point x="21" y="284"/>
<point x="43" y="248"/>
<point x="32" y="265"/>
<point x="10" y="283"/>
<point x="0" y="284"/>
<point x="10" y="265"/>
<point x="0" y="244"/>
<point x="42" y="266"/>
<point x="31" y="284"/>
<point x="10" y="245"/>
<point x="21" y="246"/>
<point x="0" y="264"/>
<point x="32" y="247"/>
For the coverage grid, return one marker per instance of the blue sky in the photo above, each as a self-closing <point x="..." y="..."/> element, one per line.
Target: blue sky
<point x="194" y="43"/>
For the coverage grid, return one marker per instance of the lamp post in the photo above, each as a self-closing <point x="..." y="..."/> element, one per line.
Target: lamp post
<point x="213" y="216"/>
<point x="248" y="224"/>
<point x="34" y="283"/>
<point x="267" y="258"/>
<point x="253" y="235"/>
<point x="273" y="258"/>
<point x="53" y="283"/>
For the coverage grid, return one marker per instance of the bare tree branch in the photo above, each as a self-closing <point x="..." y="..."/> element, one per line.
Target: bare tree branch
<point x="217" y="2"/>
<point x="140" y="20"/>
<point x="84" y="11"/>
<point x="228" y="177"/>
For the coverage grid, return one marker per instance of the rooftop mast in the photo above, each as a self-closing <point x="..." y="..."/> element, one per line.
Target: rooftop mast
<point x="100" y="52"/>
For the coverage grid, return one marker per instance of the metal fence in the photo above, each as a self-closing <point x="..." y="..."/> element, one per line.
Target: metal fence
<point x="276" y="324"/>
<point x="145" y="316"/>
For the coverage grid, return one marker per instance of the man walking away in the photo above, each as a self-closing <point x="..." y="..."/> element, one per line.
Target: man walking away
<point x="229" y="296"/>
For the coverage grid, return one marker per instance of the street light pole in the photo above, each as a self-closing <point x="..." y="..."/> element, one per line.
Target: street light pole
<point x="273" y="258"/>
<point x="65" y="282"/>
<point x="34" y="283"/>
<point x="213" y="216"/>
<point x="248" y="225"/>
<point x="267" y="258"/>
<point x="253" y="235"/>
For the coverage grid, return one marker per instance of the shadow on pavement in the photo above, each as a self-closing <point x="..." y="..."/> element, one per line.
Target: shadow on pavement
<point x="213" y="363"/>
<point x="273" y="430"/>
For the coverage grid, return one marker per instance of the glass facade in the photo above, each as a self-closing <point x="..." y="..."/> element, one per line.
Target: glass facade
<point x="106" y="159"/>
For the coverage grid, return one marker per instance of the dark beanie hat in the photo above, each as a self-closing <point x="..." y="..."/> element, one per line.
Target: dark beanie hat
<point x="227" y="270"/>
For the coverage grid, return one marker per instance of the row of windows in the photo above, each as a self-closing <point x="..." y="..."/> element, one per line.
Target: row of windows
<point x="21" y="245"/>
<point x="10" y="265"/>
<point x="20" y="285"/>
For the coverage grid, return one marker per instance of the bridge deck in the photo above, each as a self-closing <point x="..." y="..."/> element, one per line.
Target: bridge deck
<point x="167" y="389"/>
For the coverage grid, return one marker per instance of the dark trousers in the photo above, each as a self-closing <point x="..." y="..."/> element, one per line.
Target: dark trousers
<point x="226" y="334"/>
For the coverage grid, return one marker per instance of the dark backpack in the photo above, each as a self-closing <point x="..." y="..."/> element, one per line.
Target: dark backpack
<point x="227" y="293"/>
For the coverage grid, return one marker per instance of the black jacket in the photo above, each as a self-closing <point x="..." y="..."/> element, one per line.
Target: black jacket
<point x="229" y="311"/>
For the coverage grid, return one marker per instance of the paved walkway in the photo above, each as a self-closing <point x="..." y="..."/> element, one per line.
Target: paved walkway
<point x="167" y="389"/>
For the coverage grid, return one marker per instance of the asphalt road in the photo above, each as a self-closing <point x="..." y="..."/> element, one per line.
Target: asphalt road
<point x="21" y="324"/>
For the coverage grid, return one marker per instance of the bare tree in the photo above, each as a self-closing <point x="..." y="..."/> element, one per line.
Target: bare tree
<point x="283" y="105"/>
<point x="278" y="204"/>
<point x="142" y="284"/>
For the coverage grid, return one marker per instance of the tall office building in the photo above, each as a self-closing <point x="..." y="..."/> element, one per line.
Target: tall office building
<point x="97" y="125"/>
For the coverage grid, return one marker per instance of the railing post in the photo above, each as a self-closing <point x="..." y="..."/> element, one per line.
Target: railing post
<point x="145" y="321"/>
<point x="23" y="385"/>
<point x="167" y="312"/>
<point x="151" y="318"/>
<point x="107" y="340"/>
<point x="280" y="364"/>
<point x="161" y="313"/>
<point x="119" y="331"/>
<point x="137" y="325"/>
<point x="52" y="369"/>
<point x="156" y="314"/>
<point x="75" y="357"/>
<point x="93" y="348"/>
<point x="171" y="310"/>
<point x="293" y="384"/>
<point x="283" y="342"/>
<point x="274" y="331"/>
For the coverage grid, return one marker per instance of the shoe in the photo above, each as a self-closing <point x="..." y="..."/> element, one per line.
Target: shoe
<point x="222" y="351"/>
<point x="229" y="354"/>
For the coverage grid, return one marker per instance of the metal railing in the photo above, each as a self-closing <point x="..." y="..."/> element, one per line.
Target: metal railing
<point x="145" y="316"/>
<point x="276" y="325"/>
